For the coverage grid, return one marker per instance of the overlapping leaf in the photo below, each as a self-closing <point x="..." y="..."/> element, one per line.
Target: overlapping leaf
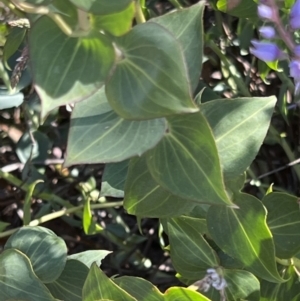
<point x="17" y="279"/>
<point x="186" y="25"/>
<point x="284" y="222"/>
<point x="239" y="8"/>
<point x="144" y="197"/>
<point x="186" y="161"/>
<point x="190" y="253"/>
<point x="68" y="286"/>
<point x="67" y="69"/>
<point x="183" y="294"/>
<point x="151" y="79"/>
<point x="90" y="256"/>
<point x="240" y="126"/>
<point x="244" y="235"/>
<point x="47" y="252"/>
<point x="98" y="135"/>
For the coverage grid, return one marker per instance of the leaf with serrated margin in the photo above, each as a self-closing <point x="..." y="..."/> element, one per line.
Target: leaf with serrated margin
<point x="187" y="26"/>
<point x="151" y="79"/>
<point x="244" y="235"/>
<point x="190" y="252"/>
<point x="98" y="135"/>
<point x="144" y="197"/>
<point x="17" y="279"/>
<point x="239" y="126"/>
<point x="283" y="220"/>
<point x="186" y="161"/>
<point x="67" y="69"/>
<point x="98" y="287"/>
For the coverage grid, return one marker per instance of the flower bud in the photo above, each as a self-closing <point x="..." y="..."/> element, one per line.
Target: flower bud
<point x="267" y="32"/>
<point x="266" y="12"/>
<point x="265" y="51"/>
<point x="295" y="15"/>
<point x="295" y="69"/>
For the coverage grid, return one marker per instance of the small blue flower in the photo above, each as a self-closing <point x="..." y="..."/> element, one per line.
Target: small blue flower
<point x="265" y="12"/>
<point x="265" y="51"/>
<point x="267" y="32"/>
<point x="297" y="51"/>
<point x="295" y="73"/>
<point x="295" y="15"/>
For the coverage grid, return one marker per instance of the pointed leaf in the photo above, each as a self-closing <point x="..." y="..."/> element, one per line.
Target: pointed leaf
<point x="68" y="286"/>
<point x="240" y="126"/>
<point x="186" y="161"/>
<point x="98" y="135"/>
<point x="183" y="294"/>
<point x="17" y="279"/>
<point x="98" y="286"/>
<point x="139" y="288"/>
<point x="46" y="251"/>
<point x="150" y="81"/>
<point x="190" y="253"/>
<point x="90" y="256"/>
<point x="284" y="222"/>
<point x="186" y="25"/>
<point x="67" y="69"/>
<point x="243" y="234"/>
<point x="150" y="200"/>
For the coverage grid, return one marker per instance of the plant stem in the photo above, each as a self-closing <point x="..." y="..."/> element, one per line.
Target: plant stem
<point x="176" y="4"/>
<point x="139" y="15"/>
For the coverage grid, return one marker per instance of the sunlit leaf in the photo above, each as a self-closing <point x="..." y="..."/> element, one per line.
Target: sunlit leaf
<point x="149" y="81"/>
<point x="239" y="8"/>
<point x="90" y="256"/>
<point x="183" y="294"/>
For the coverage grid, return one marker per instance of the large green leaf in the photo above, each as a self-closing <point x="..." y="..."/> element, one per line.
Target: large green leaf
<point x="186" y="161"/>
<point x="238" y="8"/>
<point x="98" y="287"/>
<point x="139" y="288"/>
<point x="17" y="279"/>
<point x="46" y="251"/>
<point x="98" y="135"/>
<point x="240" y="126"/>
<point x="183" y="294"/>
<point x="151" y="79"/>
<point x="284" y="222"/>
<point x="244" y="235"/>
<point x="67" y="69"/>
<point x="144" y="197"/>
<point x="68" y="286"/>
<point x="116" y="24"/>
<point x="102" y="7"/>
<point x="190" y="253"/>
<point x="186" y="25"/>
<point x="90" y="256"/>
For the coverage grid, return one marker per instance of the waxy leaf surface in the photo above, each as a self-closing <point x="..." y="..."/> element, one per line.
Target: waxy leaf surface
<point x="284" y="222"/>
<point x="150" y="80"/>
<point x="239" y="126"/>
<point x="98" y="135"/>
<point x="243" y="234"/>
<point x="186" y="25"/>
<point x="67" y="69"/>
<point x="186" y="161"/>
<point x="146" y="198"/>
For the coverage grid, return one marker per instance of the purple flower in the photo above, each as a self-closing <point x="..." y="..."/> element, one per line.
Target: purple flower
<point x="295" y="15"/>
<point x="297" y="50"/>
<point x="295" y="73"/>
<point x="265" y="51"/>
<point x="266" y="12"/>
<point x="267" y="32"/>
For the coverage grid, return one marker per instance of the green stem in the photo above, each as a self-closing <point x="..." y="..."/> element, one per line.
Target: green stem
<point x="60" y="213"/>
<point x="139" y="15"/>
<point x="286" y="80"/>
<point x="176" y="4"/>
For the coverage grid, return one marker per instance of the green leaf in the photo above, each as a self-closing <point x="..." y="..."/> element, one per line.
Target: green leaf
<point x="190" y="252"/>
<point x="149" y="81"/>
<point x="98" y="135"/>
<point x="116" y="24"/>
<point x="98" y="287"/>
<point x="10" y="101"/>
<point x="284" y="222"/>
<point x="3" y="226"/>
<point x="90" y="256"/>
<point x="186" y="161"/>
<point x="90" y="226"/>
<point x="139" y="288"/>
<point x="150" y="199"/>
<point x="68" y="286"/>
<point x="240" y="126"/>
<point x="46" y="251"/>
<point x="183" y="294"/>
<point x="186" y="25"/>
<point x="244" y="235"/>
<point x="17" y="279"/>
<point x="102" y="7"/>
<point x="238" y="8"/>
<point x="67" y="69"/>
